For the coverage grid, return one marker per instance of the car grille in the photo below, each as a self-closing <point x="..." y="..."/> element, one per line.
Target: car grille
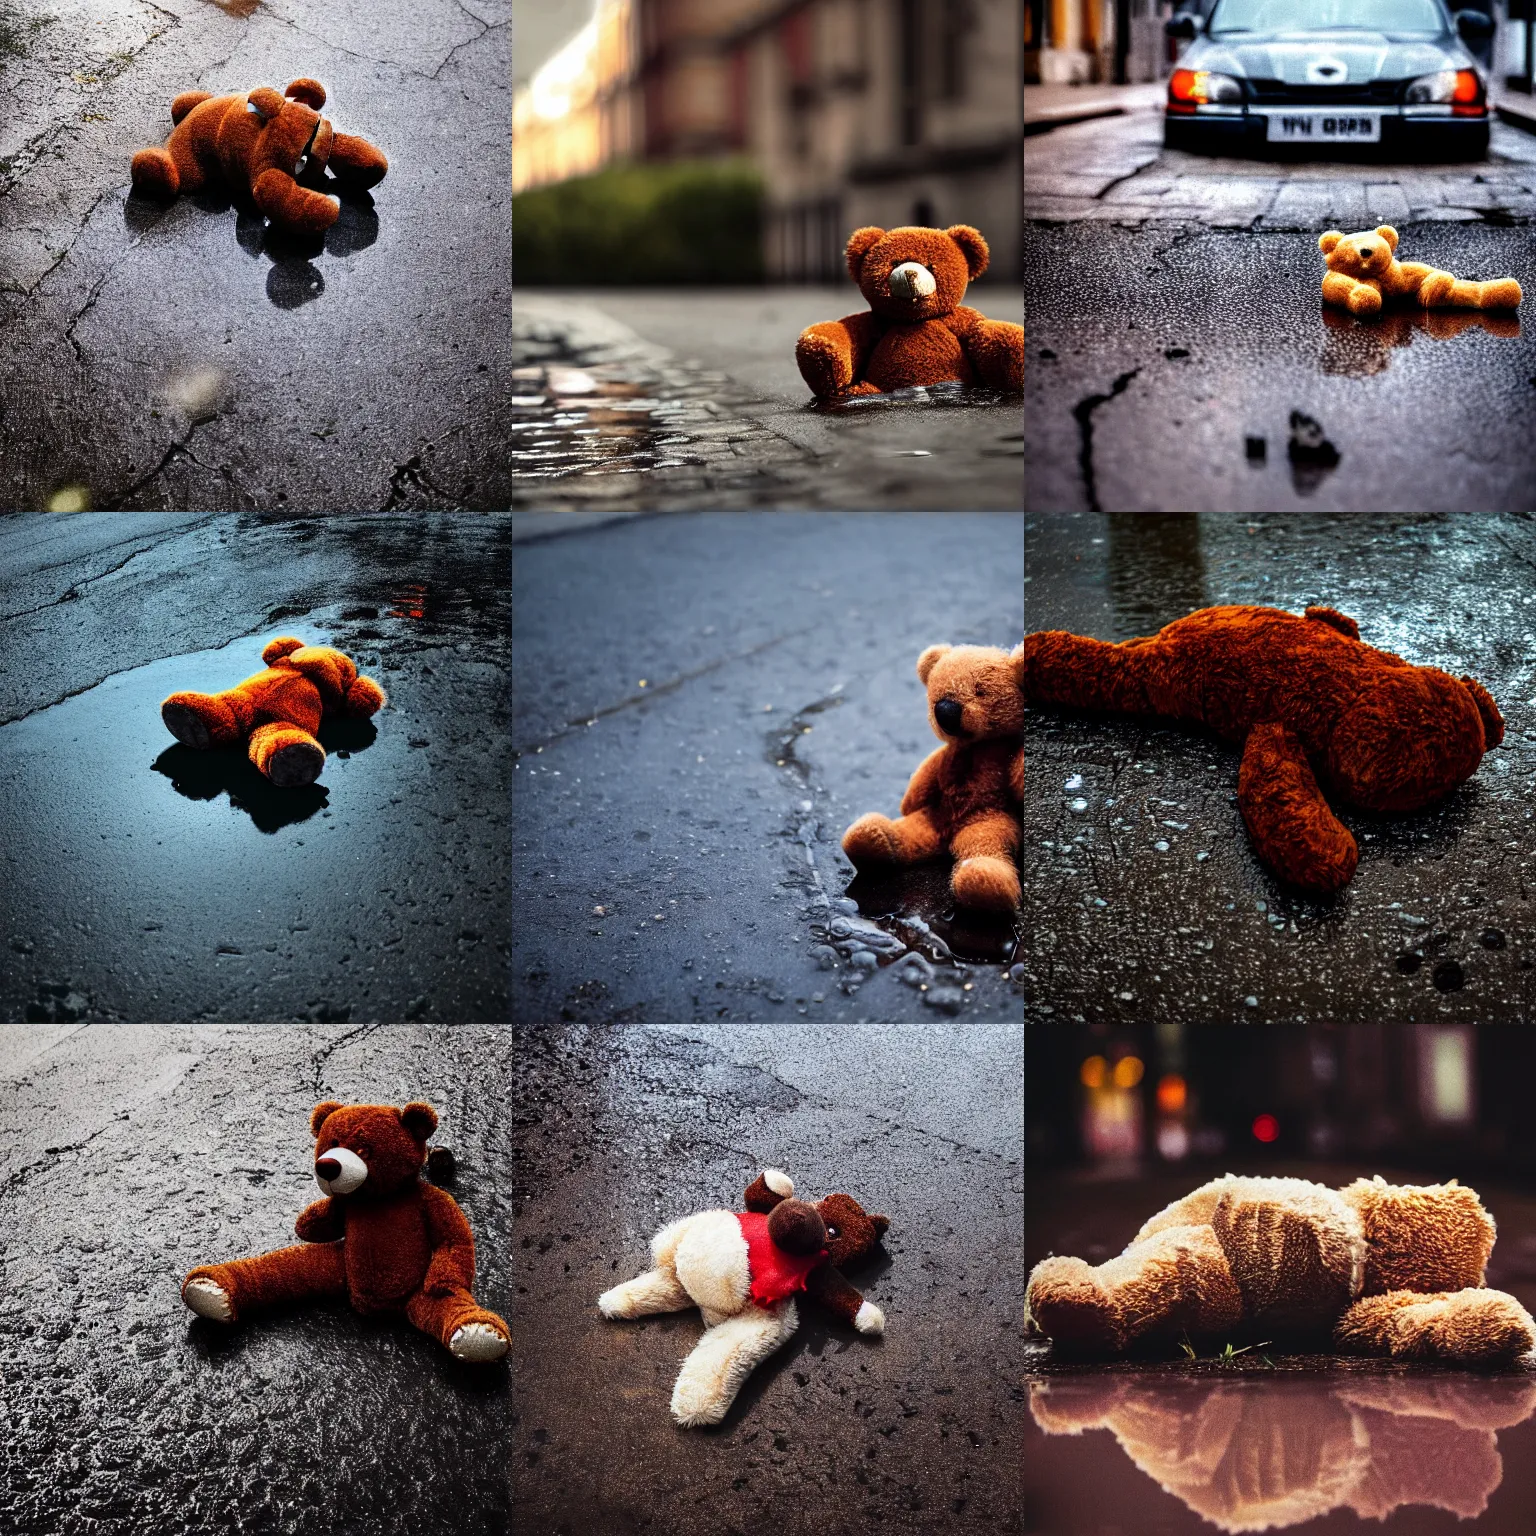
<point x="1381" y="93"/>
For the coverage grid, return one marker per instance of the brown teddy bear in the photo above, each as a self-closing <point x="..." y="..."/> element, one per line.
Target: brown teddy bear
<point x="381" y="1237"/>
<point x="1368" y="1443"/>
<point x="916" y="330"/>
<point x="967" y="797"/>
<point x="743" y="1272"/>
<point x="1375" y="1269"/>
<point x="264" y="144"/>
<point x="1314" y="708"/>
<point x="277" y="712"/>
<point x="1363" y="270"/>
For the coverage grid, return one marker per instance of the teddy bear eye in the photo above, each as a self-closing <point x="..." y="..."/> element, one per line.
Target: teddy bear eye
<point x="831" y="1231"/>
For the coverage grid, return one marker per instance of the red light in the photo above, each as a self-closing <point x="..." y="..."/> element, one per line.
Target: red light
<point x="1266" y="1129"/>
<point x="1467" y="98"/>
<point x="1184" y="90"/>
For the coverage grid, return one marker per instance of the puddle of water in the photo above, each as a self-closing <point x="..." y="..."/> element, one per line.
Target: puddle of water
<point x="917" y="396"/>
<point x="1270" y="1450"/>
<point x="1356" y="348"/>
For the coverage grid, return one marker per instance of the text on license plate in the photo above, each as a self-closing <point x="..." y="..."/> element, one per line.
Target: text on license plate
<point x="1324" y="127"/>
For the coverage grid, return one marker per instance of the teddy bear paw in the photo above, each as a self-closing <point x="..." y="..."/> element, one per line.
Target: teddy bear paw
<point x="478" y="1342"/>
<point x="186" y="725"/>
<point x="297" y="764"/>
<point x="869" y="840"/>
<point x="869" y="1318"/>
<point x="779" y="1182"/>
<point x="987" y="882"/>
<point x="208" y="1299"/>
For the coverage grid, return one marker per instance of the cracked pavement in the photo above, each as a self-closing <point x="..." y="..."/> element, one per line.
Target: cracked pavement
<point x="128" y="1155"/>
<point x="702" y="704"/>
<point x="659" y="398"/>
<point x="1145" y="898"/>
<point x="144" y="881"/>
<point x="618" y="1131"/>
<point x="184" y="356"/>
<point x="1181" y="357"/>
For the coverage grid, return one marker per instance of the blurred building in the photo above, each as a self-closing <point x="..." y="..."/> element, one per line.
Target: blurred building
<point x="856" y="111"/>
<point x="1073" y="42"/>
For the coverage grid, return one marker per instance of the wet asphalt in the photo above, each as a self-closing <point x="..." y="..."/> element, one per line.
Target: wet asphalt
<point x="1184" y="368"/>
<point x="159" y="357"/>
<point x="618" y="1131"/>
<point x="702" y="704"/>
<point x="146" y="882"/>
<point x="1146" y="901"/>
<point x="128" y="1155"/>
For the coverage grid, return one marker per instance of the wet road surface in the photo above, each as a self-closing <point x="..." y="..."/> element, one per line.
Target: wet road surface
<point x="660" y="398"/>
<point x="144" y="881"/>
<point x="1181" y="356"/>
<point x="1147" y="898"/>
<point x="155" y="357"/>
<point x="702" y="705"/>
<point x="127" y="1155"/>
<point x="1175" y="1448"/>
<point x="619" y="1131"/>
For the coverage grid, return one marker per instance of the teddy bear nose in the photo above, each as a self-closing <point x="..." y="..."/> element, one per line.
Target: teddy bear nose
<point x="327" y="1168"/>
<point x="950" y="714"/>
<point x="912" y="280"/>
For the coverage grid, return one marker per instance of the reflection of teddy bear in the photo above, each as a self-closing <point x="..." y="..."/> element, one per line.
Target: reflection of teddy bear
<point x="381" y="1237"/>
<point x="1309" y="702"/>
<point x="1381" y="1269"/>
<point x="1358" y="348"/>
<point x="1363" y="270"/>
<point x="916" y="330"/>
<point x="1259" y="1453"/>
<point x="968" y="795"/>
<point x="262" y="143"/>
<point x="277" y="711"/>
<point x="743" y="1272"/>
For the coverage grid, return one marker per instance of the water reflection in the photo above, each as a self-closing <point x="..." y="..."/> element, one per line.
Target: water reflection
<point x="1268" y="1451"/>
<point x="571" y="421"/>
<point x="1358" y="348"/>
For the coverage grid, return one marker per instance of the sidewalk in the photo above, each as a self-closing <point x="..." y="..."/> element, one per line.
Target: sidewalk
<point x="1515" y="108"/>
<point x="1054" y="106"/>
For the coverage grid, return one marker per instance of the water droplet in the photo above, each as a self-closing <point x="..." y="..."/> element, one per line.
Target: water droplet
<point x="1078" y="806"/>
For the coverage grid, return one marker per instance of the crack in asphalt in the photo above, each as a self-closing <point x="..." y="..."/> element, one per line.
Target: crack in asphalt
<point x="177" y="450"/>
<point x="72" y="593"/>
<point x="414" y="473"/>
<point x="319" y="1058"/>
<point x="1083" y="412"/>
<point x="670" y="686"/>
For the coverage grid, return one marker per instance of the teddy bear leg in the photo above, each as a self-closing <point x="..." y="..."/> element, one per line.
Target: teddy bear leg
<point x="356" y="162"/>
<point x="996" y="349"/>
<point x="1476" y="1326"/>
<point x="155" y="174"/>
<point x="463" y="1327"/>
<point x="657" y="1290"/>
<point x="202" y="720"/>
<point x="1066" y="1302"/>
<point x="985" y="875"/>
<point x="723" y="1359"/>
<point x="363" y="698"/>
<point x="1288" y="819"/>
<point x="227" y="1292"/>
<point x="295" y="208"/>
<point x="1500" y="293"/>
<point x="875" y="840"/>
<point x="287" y="754"/>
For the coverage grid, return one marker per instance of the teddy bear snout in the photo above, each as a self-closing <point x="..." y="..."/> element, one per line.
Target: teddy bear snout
<point x="950" y="714"/>
<point x="912" y="280"/>
<point x="340" y="1171"/>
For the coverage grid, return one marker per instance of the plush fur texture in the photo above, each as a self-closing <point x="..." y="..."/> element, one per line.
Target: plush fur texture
<point x="1317" y="713"/>
<point x="1363" y="272"/>
<point x="1374" y="1269"/>
<point x="1266" y="1458"/>
<point x="701" y="1261"/>
<point x="916" y="330"/>
<point x="966" y="798"/>
<point x="253" y="143"/>
<point x="390" y="1244"/>
<point x="277" y="712"/>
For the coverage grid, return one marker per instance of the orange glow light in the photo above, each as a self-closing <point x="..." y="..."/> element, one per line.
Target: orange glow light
<point x="1171" y="1094"/>
<point x="1467" y="98"/>
<point x="1128" y="1071"/>
<point x="1094" y="1072"/>
<point x="1266" y="1129"/>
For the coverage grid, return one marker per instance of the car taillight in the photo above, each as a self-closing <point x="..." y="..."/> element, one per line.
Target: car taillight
<point x="1467" y="97"/>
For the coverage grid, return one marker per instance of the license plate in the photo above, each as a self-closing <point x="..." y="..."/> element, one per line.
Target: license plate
<point x="1324" y="127"/>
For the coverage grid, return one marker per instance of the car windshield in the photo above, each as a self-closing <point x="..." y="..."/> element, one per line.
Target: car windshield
<point x="1326" y="16"/>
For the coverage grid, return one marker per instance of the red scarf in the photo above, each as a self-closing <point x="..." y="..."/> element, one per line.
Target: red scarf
<point x="775" y="1274"/>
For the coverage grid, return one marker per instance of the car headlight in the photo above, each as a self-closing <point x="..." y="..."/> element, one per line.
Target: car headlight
<point x="1461" y="87"/>
<point x="1188" y="88"/>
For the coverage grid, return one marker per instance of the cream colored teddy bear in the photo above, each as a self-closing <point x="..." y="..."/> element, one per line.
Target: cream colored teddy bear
<point x="1363" y="270"/>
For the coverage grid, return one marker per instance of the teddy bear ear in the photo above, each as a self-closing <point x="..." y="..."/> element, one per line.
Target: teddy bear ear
<point x="320" y="1114"/>
<point x="1388" y="234"/>
<point x="860" y="243"/>
<point x="881" y="1224"/>
<point x="310" y="92"/>
<point x="1328" y="239"/>
<point x="266" y="101"/>
<point x="929" y="660"/>
<point x="419" y="1119"/>
<point x="970" y="241"/>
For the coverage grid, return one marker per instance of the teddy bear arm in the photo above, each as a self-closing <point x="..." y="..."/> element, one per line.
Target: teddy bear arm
<point x="1016" y="776"/>
<point x="767" y="1190"/>
<point x="355" y="161"/>
<point x="924" y="787"/>
<point x="1474" y="1326"/>
<point x="833" y="353"/>
<point x="452" y="1266"/>
<point x="186" y="101"/>
<point x="1403" y="278"/>
<point x="829" y="1286"/>
<point x="1360" y="297"/>
<point x="995" y="348"/>
<point x="320" y="1222"/>
<point x="298" y="208"/>
<point x="1292" y="828"/>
